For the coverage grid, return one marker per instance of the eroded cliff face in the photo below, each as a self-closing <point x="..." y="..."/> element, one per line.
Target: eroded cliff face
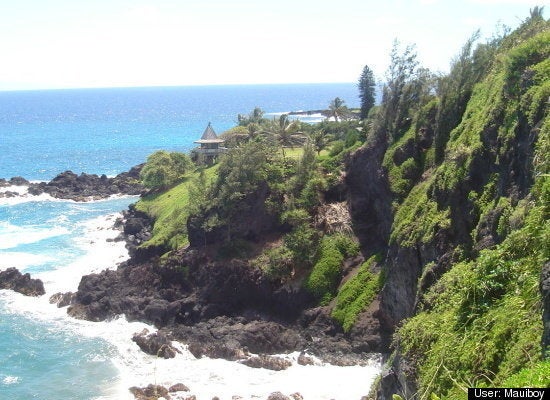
<point x="369" y="196"/>
<point x="427" y="221"/>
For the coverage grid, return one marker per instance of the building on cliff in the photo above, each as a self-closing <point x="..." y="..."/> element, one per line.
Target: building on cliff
<point x="210" y="148"/>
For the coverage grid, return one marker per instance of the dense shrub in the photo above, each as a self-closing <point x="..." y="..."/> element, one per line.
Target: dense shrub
<point x="356" y="294"/>
<point x="164" y="169"/>
<point x="327" y="271"/>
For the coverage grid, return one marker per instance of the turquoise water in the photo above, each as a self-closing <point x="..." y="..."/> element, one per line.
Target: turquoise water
<point x="44" y="354"/>
<point x="39" y="362"/>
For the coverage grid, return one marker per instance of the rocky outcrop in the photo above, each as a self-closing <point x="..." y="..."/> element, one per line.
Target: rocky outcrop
<point x="156" y="344"/>
<point x="62" y="299"/>
<point x="233" y="337"/>
<point x="150" y="392"/>
<point x="219" y="309"/>
<point x="83" y="187"/>
<point x="370" y="198"/>
<point x="15" y="181"/>
<point x="137" y="227"/>
<point x="14" y="280"/>
<point x="267" y="362"/>
<point x="398" y="377"/>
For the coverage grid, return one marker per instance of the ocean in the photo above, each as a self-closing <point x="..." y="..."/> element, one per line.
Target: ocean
<point x="46" y="355"/>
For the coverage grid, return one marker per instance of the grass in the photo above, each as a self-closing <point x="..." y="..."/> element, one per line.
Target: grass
<point x="356" y="294"/>
<point x="327" y="271"/>
<point x="170" y="210"/>
<point x="482" y="323"/>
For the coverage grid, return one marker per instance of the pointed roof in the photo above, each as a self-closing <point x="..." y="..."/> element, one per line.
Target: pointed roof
<point x="209" y="136"/>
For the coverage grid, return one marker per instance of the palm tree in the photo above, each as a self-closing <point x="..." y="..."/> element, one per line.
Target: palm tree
<point x="338" y="109"/>
<point x="253" y="130"/>
<point x="319" y="139"/>
<point x="285" y="132"/>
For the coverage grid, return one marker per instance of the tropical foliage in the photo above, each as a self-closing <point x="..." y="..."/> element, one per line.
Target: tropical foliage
<point x="367" y="91"/>
<point x="164" y="169"/>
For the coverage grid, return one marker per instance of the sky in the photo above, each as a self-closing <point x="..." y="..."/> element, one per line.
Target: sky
<point x="47" y="44"/>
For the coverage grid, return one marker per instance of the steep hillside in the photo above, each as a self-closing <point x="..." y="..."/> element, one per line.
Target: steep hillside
<point x="465" y="232"/>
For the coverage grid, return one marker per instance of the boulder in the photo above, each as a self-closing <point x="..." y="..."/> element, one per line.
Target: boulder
<point x="14" y="280"/>
<point x="150" y="392"/>
<point x="267" y="362"/>
<point x="278" y="396"/>
<point x="68" y="185"/>
<point x="18" y="181"/>
<point x="156" y="344"/>
<point x="178" y="387"/>
<point x="62" y="299"/>
<point x="305" y="360"/>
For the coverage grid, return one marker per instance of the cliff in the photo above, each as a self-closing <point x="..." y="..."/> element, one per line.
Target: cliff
<point x="463" y="233"/>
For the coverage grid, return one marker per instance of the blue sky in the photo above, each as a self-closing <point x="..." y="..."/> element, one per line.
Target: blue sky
<point x="106" y="43"/>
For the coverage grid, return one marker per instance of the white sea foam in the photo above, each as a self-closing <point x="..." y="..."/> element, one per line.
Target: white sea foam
<point x="308" y="118"/>
<point x="101" y="252"/>
<point x="21" y="260"/>
<point x="10" y="380"/>
<point x="12" y="236"/>
<point x="23" y="196"/>
<point x="205" y="377"/>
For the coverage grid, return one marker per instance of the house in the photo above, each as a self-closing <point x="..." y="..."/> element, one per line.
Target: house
<point x="209" y="149"/>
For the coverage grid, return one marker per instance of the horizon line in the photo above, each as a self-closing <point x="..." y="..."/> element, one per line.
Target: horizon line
<point x="168" y="86"/>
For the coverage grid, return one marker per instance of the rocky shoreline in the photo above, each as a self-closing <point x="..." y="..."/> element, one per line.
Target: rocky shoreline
<point x="84" y="187"/>
<point x="217" y="308"/>
<point x="12" y="279"/>
<point x="220" y="309"/>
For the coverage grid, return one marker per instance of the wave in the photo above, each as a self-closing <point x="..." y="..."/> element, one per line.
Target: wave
<point x="12" y="236"/>
<point x="23" y="196"/>
<point x="307" y="118"/>
<point x="21" y="260"/>
<point x="101" y="252"/>
<point x="10" y="380"/>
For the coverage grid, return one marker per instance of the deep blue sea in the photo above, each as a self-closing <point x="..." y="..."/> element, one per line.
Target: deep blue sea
<point x="46" y="355"/>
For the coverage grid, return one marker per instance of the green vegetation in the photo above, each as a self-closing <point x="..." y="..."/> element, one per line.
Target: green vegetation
<point x="480" y="324"/>
<point x="465" y="159"/>
<point x="326" y="273"/>
<point x="170" y="210"/>
<point x="356" y="294"/>
<point x="482" y="320"/>
<point x="535" y="376"/>
<point x="367" y="91"/>
<point x="164" y="169"/>
<point x="338" y="109"/>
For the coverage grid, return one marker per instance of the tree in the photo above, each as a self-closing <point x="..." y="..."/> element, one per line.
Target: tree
<point x="396" y="98"/>
<point x="164" y="169"/>
<point x="338" y="109"/>
<point x="367" y="90"/>
<point x="285" y="132"/>
<point x="319" y="139"/>
<point x="256" y="116"/>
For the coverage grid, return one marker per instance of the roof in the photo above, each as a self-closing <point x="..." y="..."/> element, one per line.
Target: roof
<point x="209" y="136"/>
